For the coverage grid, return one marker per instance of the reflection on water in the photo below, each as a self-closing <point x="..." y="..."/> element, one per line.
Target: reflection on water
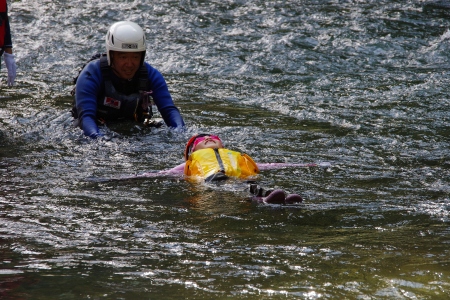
<point x="363" y="85"/>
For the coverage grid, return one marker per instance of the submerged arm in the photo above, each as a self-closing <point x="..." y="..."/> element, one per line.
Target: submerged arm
<point x="272" y="166"/>
<point x="176" y="171"/>
<point x="179" y="170"/>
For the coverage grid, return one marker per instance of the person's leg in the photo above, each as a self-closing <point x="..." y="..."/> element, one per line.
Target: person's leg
<point x="275" y="197"/>
<point x="272" y="196"/>
<point x="293" y="198"/>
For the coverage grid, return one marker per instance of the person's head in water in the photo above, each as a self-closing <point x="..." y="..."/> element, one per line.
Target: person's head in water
<point x="202" y="141"/>
<point x="125" y="48"/>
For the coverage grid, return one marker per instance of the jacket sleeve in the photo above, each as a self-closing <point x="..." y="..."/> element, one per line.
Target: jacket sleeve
<point x="87" y="88"/>
<point x="163" y="99"/>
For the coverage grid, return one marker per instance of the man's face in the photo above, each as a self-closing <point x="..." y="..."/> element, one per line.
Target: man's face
<point x="125" y="64"/>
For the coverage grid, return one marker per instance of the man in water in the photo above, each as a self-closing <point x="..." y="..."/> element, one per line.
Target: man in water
<point x="118" y="85"/>
<point x="6" y="43"/>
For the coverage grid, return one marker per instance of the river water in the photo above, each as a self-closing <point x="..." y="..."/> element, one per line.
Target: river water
<point x="363" y="85"/>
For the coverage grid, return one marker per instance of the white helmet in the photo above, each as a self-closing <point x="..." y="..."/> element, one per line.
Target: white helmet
<point x="125" y="36"/>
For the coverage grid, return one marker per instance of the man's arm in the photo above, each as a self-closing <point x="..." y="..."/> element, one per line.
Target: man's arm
<point x="163" y="100"/>
<point x="87" y="88"/>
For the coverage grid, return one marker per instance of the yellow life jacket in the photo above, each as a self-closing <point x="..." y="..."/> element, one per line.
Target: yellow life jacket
<point x="204" y="163"/>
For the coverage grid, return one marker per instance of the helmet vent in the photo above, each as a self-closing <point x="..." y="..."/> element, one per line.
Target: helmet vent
<point x="112" y="39"/>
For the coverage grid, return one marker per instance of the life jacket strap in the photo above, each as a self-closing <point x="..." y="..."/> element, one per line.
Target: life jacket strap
<point x="219" y="161"/>
<point x="220" y="174"/>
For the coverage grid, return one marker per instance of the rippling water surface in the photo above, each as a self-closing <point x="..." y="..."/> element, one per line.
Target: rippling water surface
<point x="361" y="84"/>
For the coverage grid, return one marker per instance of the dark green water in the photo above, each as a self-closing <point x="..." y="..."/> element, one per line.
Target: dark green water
<point x="361" y="84"/>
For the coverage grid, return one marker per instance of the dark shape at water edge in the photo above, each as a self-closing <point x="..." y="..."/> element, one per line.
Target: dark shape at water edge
<point x="443" y="6"/>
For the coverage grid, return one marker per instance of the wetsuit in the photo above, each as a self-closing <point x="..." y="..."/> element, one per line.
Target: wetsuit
<point x="217" y="164"/>
<point x="5" y="32"/>
<point x="90" y="91"/>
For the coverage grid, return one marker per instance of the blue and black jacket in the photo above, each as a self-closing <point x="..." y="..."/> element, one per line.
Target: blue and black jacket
<point x="96" y="96"/>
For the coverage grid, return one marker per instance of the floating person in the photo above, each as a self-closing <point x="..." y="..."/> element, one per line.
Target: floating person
<point x="118" y="85"/>
<point x="207" y="160"/>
